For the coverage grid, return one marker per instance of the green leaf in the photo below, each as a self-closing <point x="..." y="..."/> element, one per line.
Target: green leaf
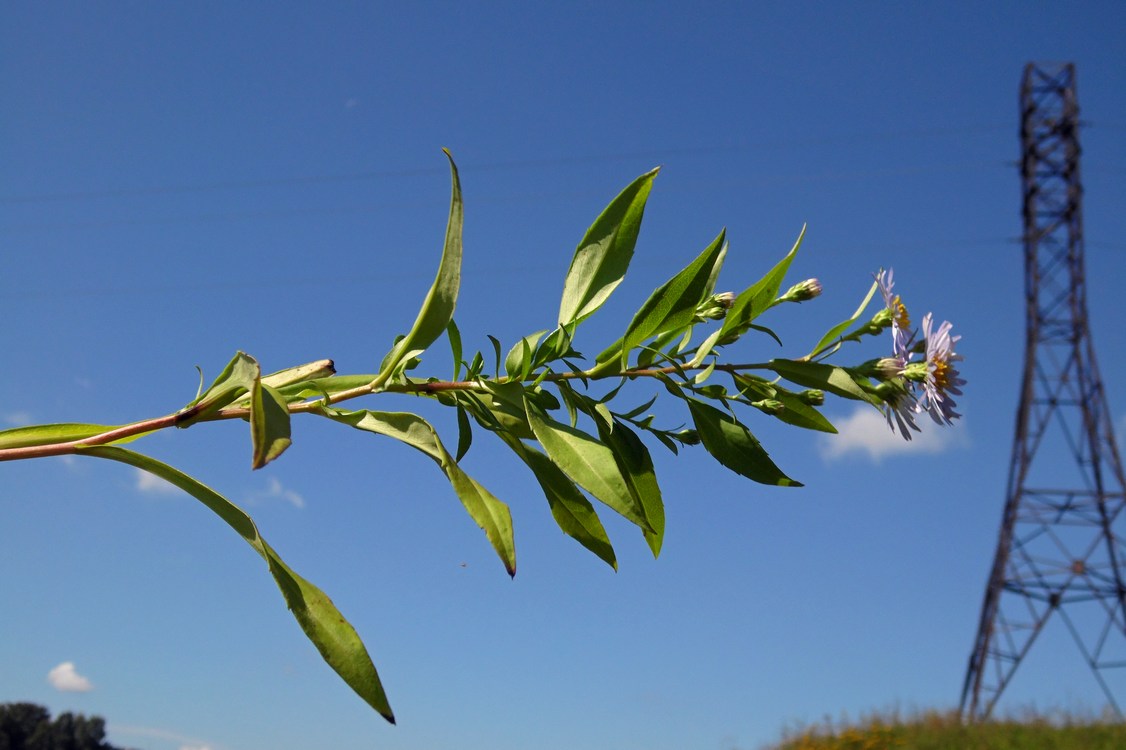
<point x="841" y="327"/>
<point x="488" y="512"/>
<point x="835" y="380"/>
<point x="464" y="433"/>
<point x="759" y="297"/>
<point x="454" y="336"/>
<point x="236" y="379"/>
<point x="732" y="444"/>
<point x="438" y="307"/>
<point x="269" y="425"/>
<point x="518" y="363"/>
<point x="571" y="510"/>
<point x="796" y="411"/>
<point x="604" y="254"/>
<point x="322" y="622"/>
<point x="672" y="306"/>
<point x="48" y="434"/>
<point x="586" y="461"/>
<point x="636" y="466"/>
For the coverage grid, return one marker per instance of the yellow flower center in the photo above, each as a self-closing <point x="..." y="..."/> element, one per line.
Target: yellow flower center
<point x="900" y="311"/>
<point x="941" y="374"/>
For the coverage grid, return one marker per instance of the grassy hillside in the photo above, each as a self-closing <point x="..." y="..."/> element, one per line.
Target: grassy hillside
<point x="944" y="731"/>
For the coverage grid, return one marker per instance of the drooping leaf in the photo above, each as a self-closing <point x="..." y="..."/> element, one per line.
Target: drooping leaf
<point x="672" y="306"/>
<point x="571" y="510"/>
<point x="322" y="622"/>
<point x="604" y="254"/>
<point x="269" y="425"/>
<point x="454" y="336"/>
<point x="438" y="307"/>
<point x="843" y="326"/>
<point x="586" y="461"/>
<point x="732" y="444"/>
<point x="636" y="466"/>
<point x="760" y="296"/>
<point x="829" y="378"/>
<point x="464" y="433"/>
<point x="487" y="511"/>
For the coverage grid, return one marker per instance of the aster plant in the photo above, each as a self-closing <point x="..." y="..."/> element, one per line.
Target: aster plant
<point x="573" y="421"/>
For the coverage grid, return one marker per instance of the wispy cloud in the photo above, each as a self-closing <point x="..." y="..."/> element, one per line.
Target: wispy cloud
<point x="866" y="432"/>
<point x="185" y="743"/>
<point x="275" y="490"/>
<point x="66" y="679"/>
<point x="16" y="418"/>
<point x="150" y="484"/>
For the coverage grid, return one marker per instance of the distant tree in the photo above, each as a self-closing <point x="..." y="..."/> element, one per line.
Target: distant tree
<point x="27" y="726"/>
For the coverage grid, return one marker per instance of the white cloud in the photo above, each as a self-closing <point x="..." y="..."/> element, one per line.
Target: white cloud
<point x="17" y="418"/>
<point x="866" y="432"/>
<point x="150" y="484"/>
<point x="65" y="679"/>
<point x="275" y="490"/>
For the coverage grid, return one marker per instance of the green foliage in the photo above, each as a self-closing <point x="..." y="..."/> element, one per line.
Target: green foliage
<point x="557" y="412"/>
<point x="933" y="730"/>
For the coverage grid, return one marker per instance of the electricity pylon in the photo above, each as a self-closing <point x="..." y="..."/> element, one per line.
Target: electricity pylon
<point x="1061" y="548"/>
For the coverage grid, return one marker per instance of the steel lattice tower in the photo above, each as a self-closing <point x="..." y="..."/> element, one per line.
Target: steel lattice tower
<point x="1061" y="545"/>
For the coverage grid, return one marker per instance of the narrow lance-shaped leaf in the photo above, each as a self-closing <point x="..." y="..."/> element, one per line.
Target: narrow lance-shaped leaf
<point x="835" y="380"/>
<point x="588" y="462"/>
<point x="841" y="327"/>
<point x="322" y="622"/>
<point x="732" y="444"/>
<point x="637" y="467"/>
<point x="672" y="306"/>
<point x="487" y="511"/>
<point x="604" y="254"/>
<point x="47" y="434"/>
<point x="571" y="510"/>
<point x="795" y="411"/>
<point x="438" y="307"/>
<point x="760" y="296"/>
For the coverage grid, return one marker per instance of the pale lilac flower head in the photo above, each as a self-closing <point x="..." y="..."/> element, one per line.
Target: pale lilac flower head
<point x="942" y="378"/>
<point x="901" y="335"/>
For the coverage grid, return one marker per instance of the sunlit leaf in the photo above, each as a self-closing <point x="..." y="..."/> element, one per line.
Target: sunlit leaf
<point x="760" y="296"/>
<point x="672" y="306"/>
<point x="636" y="466"/>
<point x="588" y="462"/>
<point x="571" y="510"/>
<point x="488" y="512"/>
<point x="828" y="378"/>
<point x="733" y="445"/>
<point x="322" y="622"/>
<point x="604" y="254"/>
<point x="438" y="307"/>
<point x="843" y="326"/>
<point x="46" y="434"/>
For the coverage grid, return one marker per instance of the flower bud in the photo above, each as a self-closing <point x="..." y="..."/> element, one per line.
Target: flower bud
<point x="688" y="437"/>
<point x="715" y="307"/>
<point x="812" y="396"/>
<point x="768" y="406"/>
<point x="802" y="292"/>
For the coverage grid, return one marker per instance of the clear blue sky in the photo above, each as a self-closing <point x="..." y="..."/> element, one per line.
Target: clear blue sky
<point x="181" y="181"/>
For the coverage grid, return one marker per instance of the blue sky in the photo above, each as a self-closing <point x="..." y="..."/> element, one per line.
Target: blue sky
<point x="181" y="181"/>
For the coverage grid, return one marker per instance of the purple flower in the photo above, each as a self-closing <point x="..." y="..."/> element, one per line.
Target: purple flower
<point x="942" y="377"/>
<point x="901" y="336"/>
